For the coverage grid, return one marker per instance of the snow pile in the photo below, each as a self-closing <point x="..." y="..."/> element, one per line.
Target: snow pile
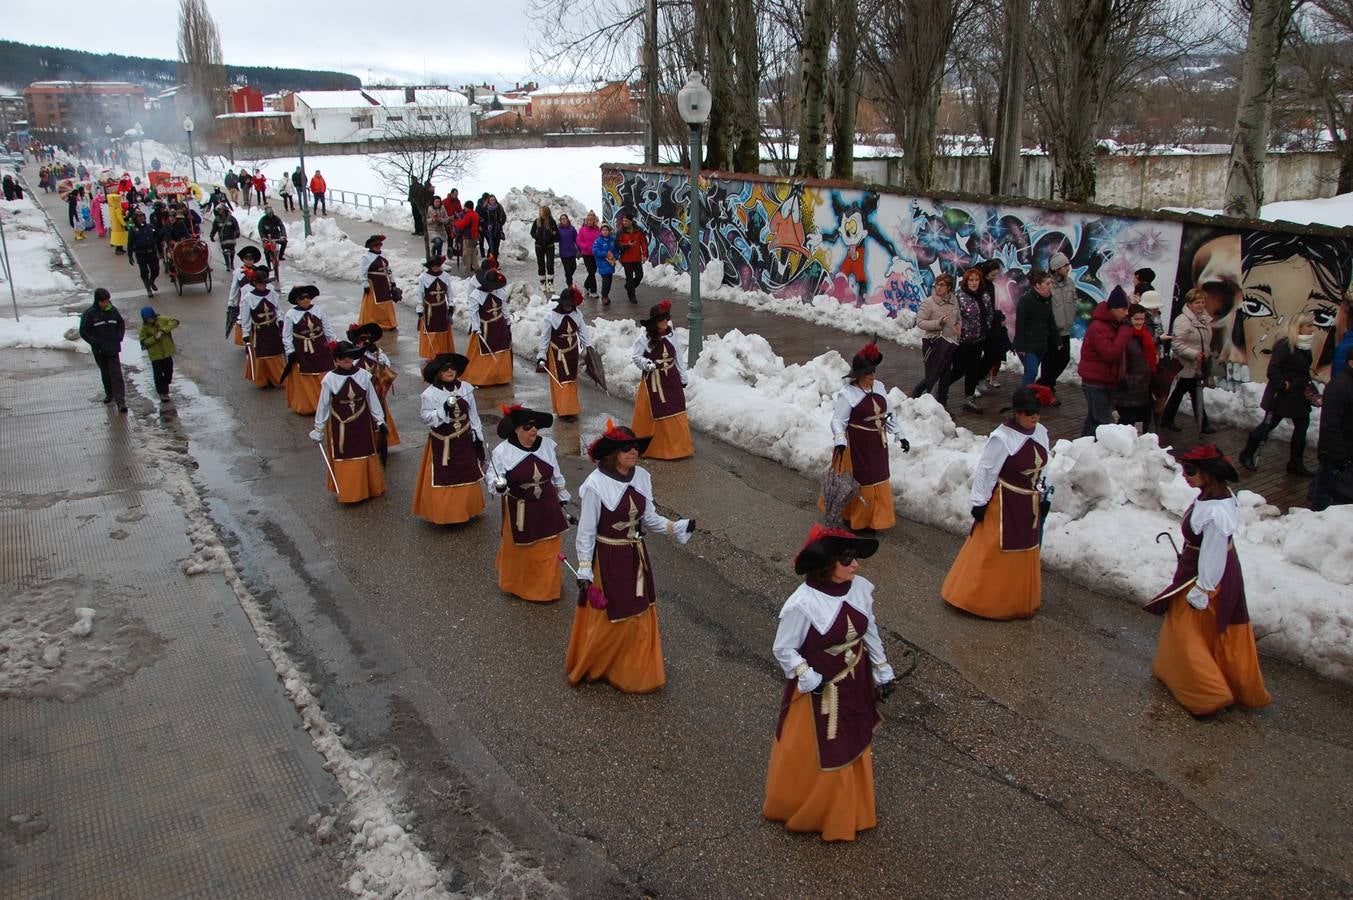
<point x="35" y="252"/>
<point x="42" y="333"/>
<point x="522" y="205"/>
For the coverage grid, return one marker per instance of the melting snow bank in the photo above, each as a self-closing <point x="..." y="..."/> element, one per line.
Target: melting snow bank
<point x="33" y="250"/>
<point x="43" y="333"/>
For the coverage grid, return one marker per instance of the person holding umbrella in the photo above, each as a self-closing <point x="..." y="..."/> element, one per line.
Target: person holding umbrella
<point x="998" y="572"/>
<point x="861" y="426"/>
<point x="563" y="342"/>
<point x="490" y="348"/>
<point x="525" y="470"/>
<point x="349" y="423"/>
<point x="449" y="490"/>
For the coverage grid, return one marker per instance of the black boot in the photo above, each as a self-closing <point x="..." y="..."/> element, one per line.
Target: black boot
<point x="1247" y="455"/>
<point x="1297" y="451"/>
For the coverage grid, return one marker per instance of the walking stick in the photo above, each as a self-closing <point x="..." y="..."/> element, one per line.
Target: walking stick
<point x="330" y="468"/>
<point x="1169" y="537"/>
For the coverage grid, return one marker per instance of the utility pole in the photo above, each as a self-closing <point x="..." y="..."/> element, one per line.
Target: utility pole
<point x="1011" y="119"/>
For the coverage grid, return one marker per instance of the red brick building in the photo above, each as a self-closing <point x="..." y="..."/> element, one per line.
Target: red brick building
<point x="83" y="107"/>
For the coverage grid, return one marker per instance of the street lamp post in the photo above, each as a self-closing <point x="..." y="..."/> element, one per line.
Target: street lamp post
<point x="300" y="149"/>
<point x="693" y="102"/>
<point x="141" y="147"/>
<point x="188" y="127"/>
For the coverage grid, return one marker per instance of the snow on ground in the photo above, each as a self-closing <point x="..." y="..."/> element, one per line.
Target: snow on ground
<point x="1336" y="212"/>
<point x="42" y="332"/>
<point x="33" y="248"/>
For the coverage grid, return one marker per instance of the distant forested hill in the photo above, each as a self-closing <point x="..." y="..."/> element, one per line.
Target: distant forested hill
<point x="22" y="64"/>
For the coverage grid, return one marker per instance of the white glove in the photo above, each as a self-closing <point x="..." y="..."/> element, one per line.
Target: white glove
<point x="839" y="440"/>
<point x="564" y="496"/>
<point x="1197" y="598"/>
<point x="317" y="435"/>
<point x="649" y="365"/>
<point x="540" y="361"/>
<point x="682" y="530"/>
<point x="500" y="485"/>
<point x="584" y="573"/>
<point x="809" y="681"/>
<point x="684" y="382"/>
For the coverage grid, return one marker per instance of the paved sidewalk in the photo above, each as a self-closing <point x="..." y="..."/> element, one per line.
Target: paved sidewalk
<point x="157" y="756"/>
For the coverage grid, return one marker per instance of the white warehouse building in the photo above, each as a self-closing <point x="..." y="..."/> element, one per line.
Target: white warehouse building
<point x="333" y="117"/>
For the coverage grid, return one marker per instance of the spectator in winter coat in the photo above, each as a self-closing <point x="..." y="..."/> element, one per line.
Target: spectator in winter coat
<point x="260" y="187"/>
<point x="298" y="184"/>
<point x="468" y="226"/>
<point x="284" y="189"/>
<point x="143" y="249"/>
<point x="603" y="254"/>
<point x="1102" y="349"/>
<point x="1189" y="337"/>
<point x="545" y="233"/>
<point x="974" y="319"/>
<point x="941" y="320"/>
<point x="418" y="203"/>
<point x="247" y="188"/>
<point x="1035" y="324"/>
<point x="436" y="221"/>
<point x="1289" y="394"/>
<point x="633" y="246"/>
<point x="452" y="204"/>
<point x="1064" y="308"/>
<point x="73" y="205"/>
<point x="568" y="248"/>
<point x="998" y="335"/>
<point x="492" y="224"/>
<point x="102" y="328"/>
<point x="318" y="187"/>
<point x="1132" y="392"/>
<point x="586" y="236"/>
<point x="1335" y="446"/>
<point x="155" y="337"/>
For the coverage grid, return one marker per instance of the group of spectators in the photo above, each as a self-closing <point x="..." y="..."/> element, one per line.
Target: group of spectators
<point x="249" y="189"/>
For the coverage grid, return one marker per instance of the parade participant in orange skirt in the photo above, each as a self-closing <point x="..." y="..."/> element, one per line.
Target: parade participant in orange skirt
<point x="998" y="574"/>
<point x="562" y="342"/>
<point x="1206" y="654"/>
<point x="239" y="283"/>
<point x="490" y="348"/>
<point x="449" y="489"/>
<point x="861" y="425"/>
<point x="348" y="426"/>
<point x="261" y="327"/>
<point x="615" y="627"/>
<point x="821" y="773"/>
<point x="525" y="469"/>
<point x="379" y="291"/>
<point x="660" y="402"/>
<point x="377" y="365"/>
<point x="434" y="310"/>
<point x="309" y="340"/>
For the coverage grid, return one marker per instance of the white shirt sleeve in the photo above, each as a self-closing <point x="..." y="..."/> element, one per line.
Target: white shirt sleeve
<point x="287" y="328"/>
<point x="1217" y="530"/>
<point x="793" y="628"/>
<point x="373" y="400"/>
<point x="233" y="298"/>
<point x="322" y="408"/>
<point x="547" y="453"/>
<point x="329" y="333"/>
<point x="246" y="319"/>
<point x="585" y="541"/>
<point x="988" y="471"/>
<point x="476" y="427"/>
<point x="432" y="409"/>
<point x="584" y="330"/>
<point x="498" y="465"/>
<point x="840" y="418"/>
<point x="638" y="351"/>
<point x="546" y="333"/>
<point x="475" y="301"/>
<point x="883" y="672"/>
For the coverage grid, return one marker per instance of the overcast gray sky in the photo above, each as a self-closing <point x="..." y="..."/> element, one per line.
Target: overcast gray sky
<point x="389" y="40"/>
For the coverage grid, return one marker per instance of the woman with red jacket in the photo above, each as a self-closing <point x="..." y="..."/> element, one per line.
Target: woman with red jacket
<point x="633" y="246"/>
<point x="1132" y="393"/>
<point x="1102" y="348"/>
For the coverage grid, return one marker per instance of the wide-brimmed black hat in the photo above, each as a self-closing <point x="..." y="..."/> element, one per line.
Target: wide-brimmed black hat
<point x="1031" y="399"/>
<point x="616" y="437"/>
<point x="300" y="292"/>
<point x="865" y="362"/>
<point x="567" y="301"/>
<point x="368" y="331"/>
<point x="261" y="272"/>
<point x="1208" y="458"/>
<point x="443" y="361"/>
<point x="249" y="254"/>
<point x="656" y="313"/>
<point x="347" y="350"/>
<point x="516" y="416"/>
<point x="489" y="278"/>
<point x="374" y="239"/>
<point x="824" y="545"/>
<point x="433" y="262"/>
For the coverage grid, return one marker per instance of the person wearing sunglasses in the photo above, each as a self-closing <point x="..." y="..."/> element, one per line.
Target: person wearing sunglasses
<point x="821" y="772"/>
<point x="998" y="572"/>
<point x="615" y="627"/>
<point x="1206" y="654"/>
<point x="525" y="470"/>
<point x="449" y="488"/>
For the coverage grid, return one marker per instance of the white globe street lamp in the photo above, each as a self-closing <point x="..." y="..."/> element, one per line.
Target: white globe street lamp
<point x="693" y="103"/>
<point x="188" y="127"/>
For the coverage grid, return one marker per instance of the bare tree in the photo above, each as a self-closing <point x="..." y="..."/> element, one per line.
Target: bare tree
<point x="747" y="86"/>
<point x="845" y="88"/>
<point x="201" y="68"/>
<point x="1322" y="56"/>
<point x="1006" y="160"/>
<point x="817" y="20"/>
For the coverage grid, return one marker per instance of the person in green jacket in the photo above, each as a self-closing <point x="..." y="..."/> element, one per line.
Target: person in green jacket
<point x="1034" y="324"/>
<point x="156" y="337"/>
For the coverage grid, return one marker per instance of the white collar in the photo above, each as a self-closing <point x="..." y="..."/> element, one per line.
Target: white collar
<point x="609" y="490"/>
<point x="822" y="609"/>
<point x="1014" y="440"/>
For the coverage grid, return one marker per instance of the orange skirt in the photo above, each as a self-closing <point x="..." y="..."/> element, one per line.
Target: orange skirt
<point x="358" y="479"/>
<point x="444" y="505"/>
<point x="873" y="508"/>
<point x="485" y="369"/>
<point x="530" y="571"/>
<point x="671" y="435"/>
<point x="628" y="653"/>
<point x="264" y="371"/>
<point x="303" y="392"/>
<point x="990" y="582"/>
<point x="835" y="804"/>
<point x="238" y="335"/>
<point x="383" y="314"/>
<point x="432" y="343"/>
<point x="563" y="397"/>
<point x="1207" y="671"/>
<point x="391" y="432"/>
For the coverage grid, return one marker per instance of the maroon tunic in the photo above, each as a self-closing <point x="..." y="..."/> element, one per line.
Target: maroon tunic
<point x="564" y="349"/>
<point x="352" y="430"/>
<point x="378" y="276"/>
<point x="1020" y="497"/>
<point x="622" y="558"/>
<point x="436" y="309"/>
<point x="666" y="396"/>
<point x="313" y="356"/>
<point x="494" y="328"/>
<point x="867" y="438"/>
<point x="454" y="462"/>
<point x="266" y="331"/>
<point x="844" y="714"/>
<point x="531" y="504"/>
<point x="1230" y="599"/>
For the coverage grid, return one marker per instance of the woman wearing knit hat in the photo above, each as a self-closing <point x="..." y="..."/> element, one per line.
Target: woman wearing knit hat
<point x="563" y="341"/>
<point x="821" y="773"/>
<point x="490" y="347"/>
<point x="998" y="572"/>
<point x="861" y="426"/>
<point x="615" y="626"/>
<point x="308" y="338"/>
<point x="434" y="310"/>
<point x="525" y="470"/>
<point x="660" y="402"/>
<point x="379" y="293"/>
<point x="1206" y="653"/>
<point x="449" y="490"/>
<point x="348" y="428"/>
<point x="377" y="364"/>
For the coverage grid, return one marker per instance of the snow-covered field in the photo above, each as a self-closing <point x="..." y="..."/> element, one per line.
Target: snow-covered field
<point x="39" y="289"/>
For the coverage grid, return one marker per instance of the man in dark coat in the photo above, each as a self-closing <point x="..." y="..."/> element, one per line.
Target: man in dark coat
<point x="1101" y="356"/>
<point x="1334" y="449"/>
<point x="102" y="328"/>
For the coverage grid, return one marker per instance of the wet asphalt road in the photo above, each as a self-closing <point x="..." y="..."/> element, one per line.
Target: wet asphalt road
<point x="1036" y="758"/>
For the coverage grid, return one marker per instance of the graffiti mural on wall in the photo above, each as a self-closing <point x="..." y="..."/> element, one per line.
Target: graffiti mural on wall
<point x="797" y="239"/>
